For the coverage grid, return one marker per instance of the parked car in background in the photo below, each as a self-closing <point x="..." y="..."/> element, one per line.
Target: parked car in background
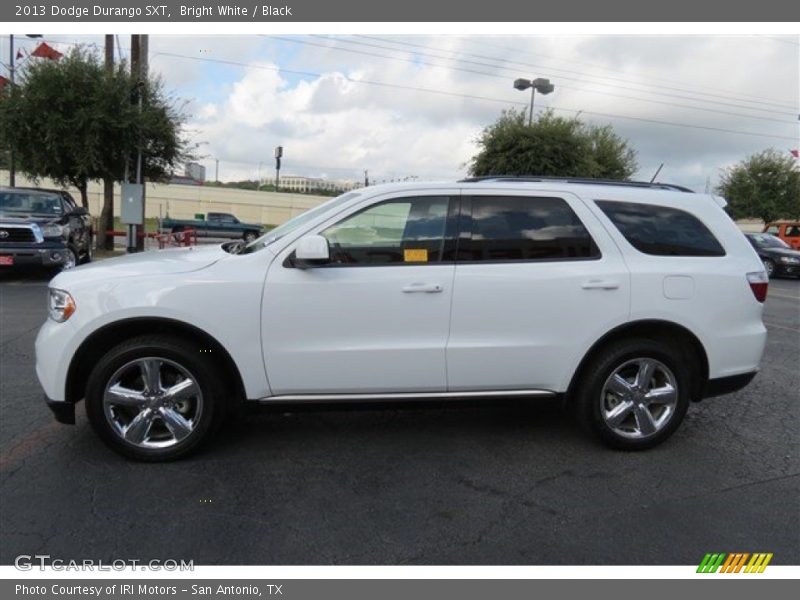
<point x="43" y="228"/>
<point x="788" y="231"/>
<point x="629" y="300"/>
<point x="778" y="257"/>
<point x="215" y="224"/>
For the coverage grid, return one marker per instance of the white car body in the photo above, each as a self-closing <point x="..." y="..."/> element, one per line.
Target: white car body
<point x="446" y="329"/>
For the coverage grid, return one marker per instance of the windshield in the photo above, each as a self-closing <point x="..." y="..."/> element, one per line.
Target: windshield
<point x="30" y="203"/>
<point x="295" y="222"/>
<point x="765" y="240"/>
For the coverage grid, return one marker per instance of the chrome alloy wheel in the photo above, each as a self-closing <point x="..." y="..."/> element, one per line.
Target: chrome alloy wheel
<point x="639" y="398"/>
<point x="152" y="402"/>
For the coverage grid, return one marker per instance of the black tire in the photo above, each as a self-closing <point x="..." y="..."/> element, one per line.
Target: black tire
<point x="769" y="267"/>
<point x="589" y="400"/>
<point x="200" y="366"/>
<point x="87" y="255"/>
<point x="74" y="258"/>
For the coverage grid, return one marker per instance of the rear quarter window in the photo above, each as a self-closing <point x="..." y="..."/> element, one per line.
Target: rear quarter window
<point x="661" y="230"/>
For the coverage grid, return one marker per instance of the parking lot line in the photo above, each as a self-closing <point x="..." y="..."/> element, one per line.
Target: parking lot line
<point x="782" y="327"/>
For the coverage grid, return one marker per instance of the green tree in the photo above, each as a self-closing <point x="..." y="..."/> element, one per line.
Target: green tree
<point x="74" y="122"/>
<point x="764" y="186"/>
<point x="551" y="146"/>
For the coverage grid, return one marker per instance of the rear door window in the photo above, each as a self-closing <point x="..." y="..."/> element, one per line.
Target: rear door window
<point x="522" y="228"/>
<point x="661" y="230"/>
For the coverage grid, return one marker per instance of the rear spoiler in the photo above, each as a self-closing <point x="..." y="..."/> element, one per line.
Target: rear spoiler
<point x="720" y="200"/>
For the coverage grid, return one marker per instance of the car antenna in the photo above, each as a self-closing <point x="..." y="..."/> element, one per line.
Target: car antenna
<point x="658" y="170"/>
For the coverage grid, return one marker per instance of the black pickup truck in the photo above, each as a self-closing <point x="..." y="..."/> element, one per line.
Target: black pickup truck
<point x="43" y="228"/>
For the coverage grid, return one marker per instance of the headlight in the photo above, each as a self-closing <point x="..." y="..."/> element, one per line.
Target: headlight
<point x="790" y="259"/>
<point x="52" y="230"/>
<point x="61" y="305"/>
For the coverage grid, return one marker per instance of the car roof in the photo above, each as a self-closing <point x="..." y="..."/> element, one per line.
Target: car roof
<point x="5" y="188"/>
<point x="641" y="192"/>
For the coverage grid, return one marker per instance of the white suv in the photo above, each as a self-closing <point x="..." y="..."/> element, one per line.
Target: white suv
<point x="629" y="300"/>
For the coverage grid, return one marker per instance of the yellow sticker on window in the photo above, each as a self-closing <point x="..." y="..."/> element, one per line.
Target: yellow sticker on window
<point x="415" y="255"/>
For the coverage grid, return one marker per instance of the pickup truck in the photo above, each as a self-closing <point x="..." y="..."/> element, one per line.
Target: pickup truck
<point x="216" y="224"/>
<point x="44" y="228"/>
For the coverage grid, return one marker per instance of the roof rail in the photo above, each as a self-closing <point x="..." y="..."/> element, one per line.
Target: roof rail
<point x="581" y="180"/>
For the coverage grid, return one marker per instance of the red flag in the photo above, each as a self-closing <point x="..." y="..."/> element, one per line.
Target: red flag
<point x="45" y="51"/>
<point x="4" y="82"/>
<point x="795" y="153"/>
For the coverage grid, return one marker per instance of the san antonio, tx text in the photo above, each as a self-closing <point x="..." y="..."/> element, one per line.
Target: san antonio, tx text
<point x="60" y="589"/>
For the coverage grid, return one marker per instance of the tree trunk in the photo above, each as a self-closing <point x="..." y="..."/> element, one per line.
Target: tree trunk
<point x="82" y="187"/>
<point x="106" y="222"/>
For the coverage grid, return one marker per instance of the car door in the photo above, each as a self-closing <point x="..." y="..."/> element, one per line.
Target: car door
<point x="375" y="318"/>
<point x="538" y="280"/>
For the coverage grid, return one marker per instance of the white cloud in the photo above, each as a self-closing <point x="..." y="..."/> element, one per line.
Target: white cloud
<point x="337" y="125"/>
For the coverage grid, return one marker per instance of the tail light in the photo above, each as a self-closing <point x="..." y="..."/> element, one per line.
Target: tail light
<point x="759" y="282"/>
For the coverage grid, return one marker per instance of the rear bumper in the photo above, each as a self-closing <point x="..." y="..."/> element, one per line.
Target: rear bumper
<point x="727" y="385"/>
<point x="64" y="412"/>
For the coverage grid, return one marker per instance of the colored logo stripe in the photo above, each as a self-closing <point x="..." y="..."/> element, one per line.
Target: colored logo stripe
<point x="734" y="562"/>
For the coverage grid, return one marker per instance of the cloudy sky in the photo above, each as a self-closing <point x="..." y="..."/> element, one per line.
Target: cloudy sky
<point x="404" y="106"/>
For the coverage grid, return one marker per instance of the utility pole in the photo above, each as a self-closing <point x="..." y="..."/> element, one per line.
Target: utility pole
<point x="216" y="171"/>
<point x="366" y="178"/>
<point x="104" y="241"/>
<point x="144" y="52"/>
<point x="11" y="175"/>
<point x="278" y="156"/>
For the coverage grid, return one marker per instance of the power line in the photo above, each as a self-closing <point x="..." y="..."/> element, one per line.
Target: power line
<point x="464" y="96"/>
<point x="494" y="66"/>
<point x="651" y="100"/>
<point x="470" y="96"/>
<point x="737" y="95"/>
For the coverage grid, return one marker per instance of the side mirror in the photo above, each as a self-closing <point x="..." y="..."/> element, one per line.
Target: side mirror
<point x="311" y="250"/>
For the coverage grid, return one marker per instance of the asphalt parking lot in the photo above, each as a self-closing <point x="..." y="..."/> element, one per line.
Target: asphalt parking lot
<point x="475" y="485"/>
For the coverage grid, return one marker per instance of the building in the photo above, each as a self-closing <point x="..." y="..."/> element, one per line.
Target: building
<point x="298" y="183"/>
<point x="195" y="171"/>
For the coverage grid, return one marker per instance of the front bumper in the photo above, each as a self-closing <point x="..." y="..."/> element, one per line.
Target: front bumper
<point x="47" y="254"/>
<point x="786" y="270"/>
<point x="64" y="412"/>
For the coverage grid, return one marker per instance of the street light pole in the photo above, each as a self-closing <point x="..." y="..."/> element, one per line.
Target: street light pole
<point x="530" y="115"/>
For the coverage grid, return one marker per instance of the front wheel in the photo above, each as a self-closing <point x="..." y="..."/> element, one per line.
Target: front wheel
<point x="769" y="267"/>
<point x="634" y="394"/>
<point x="70" y="258"/>
<point x="154" y="398"/>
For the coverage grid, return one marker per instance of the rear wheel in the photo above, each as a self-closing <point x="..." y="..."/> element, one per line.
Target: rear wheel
<point x="634" y="394"/>
<point x="154" y="398"/>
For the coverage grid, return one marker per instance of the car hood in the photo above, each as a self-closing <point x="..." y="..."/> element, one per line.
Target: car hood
<point x="780" y="252"/>
<point x="153" y="262"/>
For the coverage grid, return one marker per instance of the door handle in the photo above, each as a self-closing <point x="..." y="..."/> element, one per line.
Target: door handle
<point x="425" y="288"/>
<point x="600" y="284"/>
